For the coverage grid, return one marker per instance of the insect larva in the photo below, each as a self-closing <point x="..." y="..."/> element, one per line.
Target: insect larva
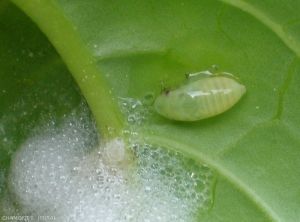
<point x="204" y="95"/>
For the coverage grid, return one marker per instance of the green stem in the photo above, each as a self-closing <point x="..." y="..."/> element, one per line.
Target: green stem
<point x="79" y="60"/>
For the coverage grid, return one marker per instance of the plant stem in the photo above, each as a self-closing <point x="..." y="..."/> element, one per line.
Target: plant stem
<point x="80" y="62"/>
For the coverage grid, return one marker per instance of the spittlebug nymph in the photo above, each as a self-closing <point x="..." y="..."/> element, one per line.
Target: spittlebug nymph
<point x="203" y="96"/>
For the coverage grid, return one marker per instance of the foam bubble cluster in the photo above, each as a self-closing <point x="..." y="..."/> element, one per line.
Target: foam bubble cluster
<point x="187" y="180"/>
<point x="137" y="111"/>
<point x="59" y="173"/>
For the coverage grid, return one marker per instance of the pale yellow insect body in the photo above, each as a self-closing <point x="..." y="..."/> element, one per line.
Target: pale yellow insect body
<point x="200" y="98"/>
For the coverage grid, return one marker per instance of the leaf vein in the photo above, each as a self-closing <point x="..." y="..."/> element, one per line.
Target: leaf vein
<point x="278" y="29"/>
<point x="212" y="162"/>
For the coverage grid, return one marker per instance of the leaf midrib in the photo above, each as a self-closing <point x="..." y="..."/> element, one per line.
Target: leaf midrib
<point x="79" y="60"/>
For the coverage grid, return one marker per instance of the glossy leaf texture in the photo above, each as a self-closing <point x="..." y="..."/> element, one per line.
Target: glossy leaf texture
<point x="135" y="46"/>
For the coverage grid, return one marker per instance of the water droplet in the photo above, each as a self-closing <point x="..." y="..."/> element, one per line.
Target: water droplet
<point x="148" y="99"/>
<point x="137" y="112"/>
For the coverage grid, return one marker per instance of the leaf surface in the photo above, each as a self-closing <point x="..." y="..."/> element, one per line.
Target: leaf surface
<point x="133" y="47"/>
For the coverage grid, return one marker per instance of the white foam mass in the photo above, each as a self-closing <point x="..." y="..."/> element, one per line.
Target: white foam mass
<point x="57" y="173"/>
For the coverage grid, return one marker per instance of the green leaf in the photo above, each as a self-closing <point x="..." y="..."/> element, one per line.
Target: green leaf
<point x="132" y="47"/>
